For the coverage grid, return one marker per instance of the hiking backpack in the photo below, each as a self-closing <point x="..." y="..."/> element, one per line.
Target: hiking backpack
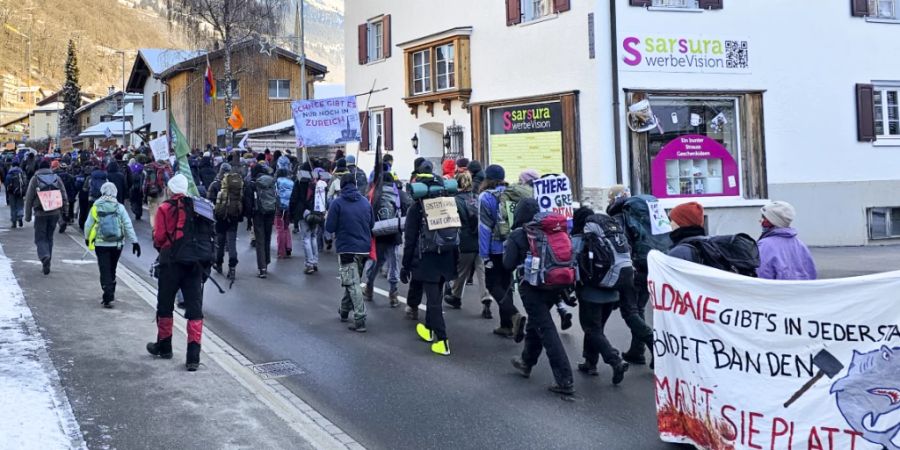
<point x="266" y="198"/>
<point x="637" y="211"/>
<point x="507" y="200"/>
<point x="94" y="187"/>
<point x="229" y="200"/>
<point x="388" y="217"/>
<point x="109" y="227"/>
<point x="197" y="244"/>
<point x="284" y="187"/>
<point x="732" y="253"/>
<point x="550" y="262"/>
<point x="445" y="238"/>
<point x="18" y="184"/>
<point x="46" y="186"/>
<point x="605" y="252"/>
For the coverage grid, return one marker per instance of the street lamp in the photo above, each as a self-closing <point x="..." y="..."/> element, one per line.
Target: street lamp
<point x="447" y="142"/>
<point x="415" y="142"/>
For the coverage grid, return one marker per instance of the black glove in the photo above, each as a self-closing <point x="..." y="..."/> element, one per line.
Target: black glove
<point x="136" y="249"/>
<point x="405" y="276"/>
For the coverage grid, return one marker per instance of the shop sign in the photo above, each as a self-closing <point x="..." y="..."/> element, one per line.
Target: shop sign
<point x="694" y="166"/>
<point x="685" y="53"/>
<point x="527" y="137"/>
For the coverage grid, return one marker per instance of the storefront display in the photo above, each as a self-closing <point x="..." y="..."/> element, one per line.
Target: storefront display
<point x="527" y="137"/>
<point x="694" y="165"/>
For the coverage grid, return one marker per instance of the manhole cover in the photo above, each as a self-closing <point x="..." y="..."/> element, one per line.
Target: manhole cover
<point x="277" y="369"/>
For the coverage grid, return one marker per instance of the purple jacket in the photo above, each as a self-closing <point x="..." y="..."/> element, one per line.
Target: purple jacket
<point x="783" y="256"/>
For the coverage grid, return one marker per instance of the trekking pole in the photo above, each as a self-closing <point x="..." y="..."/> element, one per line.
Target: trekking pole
<point x="221" y="291"/>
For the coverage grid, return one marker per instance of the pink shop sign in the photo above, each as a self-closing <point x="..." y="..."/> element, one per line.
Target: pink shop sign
<point x="694" y="166"/>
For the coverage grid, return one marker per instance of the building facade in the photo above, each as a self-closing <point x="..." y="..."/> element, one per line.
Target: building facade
<point x="148" y="65"/>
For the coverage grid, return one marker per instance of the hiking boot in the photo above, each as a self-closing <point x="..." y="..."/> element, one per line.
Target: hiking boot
<point x="564" y="389"/>
<point x="368" y="292"/>
<point x="358" y="326"/>
<point x="503" y="332"/>
<point x="289" y="251"/>
<point x="619" y="372"/>
<point x="441" y="347"/>
<point x="45" y="265"/>
<point x="453" y="302"/>
<point x="345" y="316"/>
<point x="62" y="227"/>
<point x="218" y="268"/>
<point x="262" y="273"/>
<point x="565" y="320"/>
<point x="588" y="369"/>
<point x="315" y="267"/>
<point x="107" y="304"/>
<point x="412" y="313"/>
<point x="231" y="274"/>
<point x="524" y="369"/>
<point x="13" y="225"/>
<point x="394" y="298"/>
<point x="309" y="270"/>
<point x="486" y="311"/>
<point x="424" y="333"/>
<point x="21" y="225"/>
<point x="635" y="358"/>
<point x="192" y="360"/>
<point x="519" y="322"/>
<point x="161" y="348"/>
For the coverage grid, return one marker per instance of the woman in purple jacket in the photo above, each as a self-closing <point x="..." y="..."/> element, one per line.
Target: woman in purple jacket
<point x="782" y="255"/>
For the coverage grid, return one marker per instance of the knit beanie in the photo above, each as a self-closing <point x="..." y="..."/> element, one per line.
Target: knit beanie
<point x="779" y="213"/>
<point x="687" y="215"/>
<point x="178" y="184"/>
<point x="109" y="189"/>
<point x="448" y="167"/>
<point x="340" y="165"/>
<point x="494" y="172"/>
<point x="474" y="167"/>
<point x="528" y="176"/>
<point x="225" y="168"/>
<point x="462" y="163"/>
<point x="351" y="160"/>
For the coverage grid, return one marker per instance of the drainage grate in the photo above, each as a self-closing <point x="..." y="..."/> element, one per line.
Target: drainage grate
<point x="277" y="369"/>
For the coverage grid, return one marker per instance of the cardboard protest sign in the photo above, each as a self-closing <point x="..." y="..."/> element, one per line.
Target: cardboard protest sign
<point x="659" y="220"/>
<point x="744" y="363"/>
<point x="160" y="148"/>
<point x="50" y="200"/>
<point x="554" y="194"/>
<point x="441" y="213"/>
<point x="330" y="121"/>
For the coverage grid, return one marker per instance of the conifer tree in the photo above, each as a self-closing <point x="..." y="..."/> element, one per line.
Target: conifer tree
<point x="71" y="96"/>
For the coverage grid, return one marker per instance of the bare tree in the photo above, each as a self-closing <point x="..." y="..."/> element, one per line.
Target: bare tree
<point x="230" y="22"/>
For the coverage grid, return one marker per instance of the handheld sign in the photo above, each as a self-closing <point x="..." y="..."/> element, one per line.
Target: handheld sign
<point x="441" y="213"/>
<point x="554" y="194"/>
<point x="160" y="148"/>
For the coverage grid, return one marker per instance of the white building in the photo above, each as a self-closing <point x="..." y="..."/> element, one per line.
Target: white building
<point x="749" y="106"/>
<point x="109" y="120"/>
<point x="45" y="121"/>
<point x="144" y="80"/>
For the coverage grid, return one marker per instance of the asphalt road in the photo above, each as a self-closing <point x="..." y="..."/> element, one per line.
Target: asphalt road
<point x="387" y="390"/>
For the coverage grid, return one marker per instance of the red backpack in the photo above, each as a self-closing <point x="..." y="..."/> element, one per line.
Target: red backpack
<point x="550" y="263"/>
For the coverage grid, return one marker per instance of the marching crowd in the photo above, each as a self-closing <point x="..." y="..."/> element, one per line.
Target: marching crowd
<point x="438" y="231"/>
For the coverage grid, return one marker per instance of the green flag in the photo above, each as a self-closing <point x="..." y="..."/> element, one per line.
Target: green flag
<point x="182" y="149"/>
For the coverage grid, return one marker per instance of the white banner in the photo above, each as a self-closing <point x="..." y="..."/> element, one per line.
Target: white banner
<point x="331" y="121"/>
<point x="732" y="352"/>
<point x="160" y="148"/>
<point x="554" y="194"/>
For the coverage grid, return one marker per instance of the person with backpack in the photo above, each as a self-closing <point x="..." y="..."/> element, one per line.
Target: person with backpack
<point x="82" y="182"/>
<point x="227" y="193"/>
<point x="430" y="257"/>
<point x="135" y="191"/>
<point x="156" y="176"/>
<point x="477" y="173"/>
<point x="260" y="206"/>
<point x="391" y="206"/>
<point x="114" y="175"/>
<point x="69" y="182"/>
<point x="185" y="243"/>
<point x="47" y="200"/>
<point x="98" y="176"/>
<point x="782" y="255"/>
<point x="350" y="220"/>
<point x="540" y="250"/>
<point x="362" y="180"/>
<point x="469" y="261"/>
<point x="16" y="186"/>
<point x="687" y="227"/>
<point x="107" y="227"/>
<point x="493" y="229"/>
<point x="604" y="264"/>
<point x="284" y="186"/>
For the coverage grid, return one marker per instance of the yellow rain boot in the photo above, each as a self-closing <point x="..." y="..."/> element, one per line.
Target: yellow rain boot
<point x="441" y="347"/>
<point x="424" y="333"/>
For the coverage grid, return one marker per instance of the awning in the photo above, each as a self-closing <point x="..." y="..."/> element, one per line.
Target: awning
<point x="274" y="129"/>
<point x="99" y="130"/>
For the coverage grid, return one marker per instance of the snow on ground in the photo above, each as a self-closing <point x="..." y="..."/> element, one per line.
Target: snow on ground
<point x="34" y="410"/>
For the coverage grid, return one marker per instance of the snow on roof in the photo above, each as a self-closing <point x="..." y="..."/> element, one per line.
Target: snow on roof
<point x="99" y="130"/>
<point x="50" y="107"/>
<point x="274" y="128"/>
<point x="160" y="59"/>
<point x="129" y="110"/>
<point x="129" y="98"/>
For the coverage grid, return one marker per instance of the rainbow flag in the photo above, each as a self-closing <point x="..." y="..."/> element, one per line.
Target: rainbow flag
<point x="209" y="90"/>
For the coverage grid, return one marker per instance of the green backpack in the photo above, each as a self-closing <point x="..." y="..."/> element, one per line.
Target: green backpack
<point x="506" y="206"/>
<point x="109" y="227"/>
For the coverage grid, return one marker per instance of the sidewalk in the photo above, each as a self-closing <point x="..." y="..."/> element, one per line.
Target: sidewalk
<point x="121" y="397"/>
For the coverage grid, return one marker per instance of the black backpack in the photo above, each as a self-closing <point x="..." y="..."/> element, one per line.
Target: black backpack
<point x="18" y="184"/>
<point x="605" y="252"/>
<point x="198" y="242"/>
<point x="640" y="232"/>
<point x="732" y="253"/>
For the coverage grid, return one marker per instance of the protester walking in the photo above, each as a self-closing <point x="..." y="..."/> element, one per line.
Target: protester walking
<point x="284" y="187"/>
<point x="782" y="255"/>
<point x="46" y="199"/>
<point x="227" y="193"/>
<point x="687" y="227"/>
<point x="16" y="187"/>
<point x="156" y="177"/>
<point x="359" y="175"/>
<point x="350" y="220"/>
<point x="61" y="170"/>
<point x="470" y="263"/>
<point x="106" y="228"/>
<point x="390" y="206"/>
<point x="478" y="176"/>
<point x="260" y="205"/>
<point x="114" y="175"/>
<point x="135" y="189"/>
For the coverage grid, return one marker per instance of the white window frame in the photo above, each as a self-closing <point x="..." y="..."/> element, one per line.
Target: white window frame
<point x="163" y="100"/>
<point x="875" y="9"/>
<point x="426" y="72"/>
<point x="375" y="40"/>
<point x="676" y="4"/>
<point x="533" y="10"/>
<point x="882" y="106"/>
<point x="376" y="127"/>
<point x="235" y="90"/>
<point x="449" y="75"/>
<point x="280" y="93"/>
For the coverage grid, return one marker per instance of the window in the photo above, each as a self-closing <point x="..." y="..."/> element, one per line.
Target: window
<point x="688" y="4"/>
<point x="235" y="89"/>
<point x="154" y="102"/>
<point x="279" y="89"/>
<point x="445" y="60"/>
<point x="883" y="9"/>
<point x="535" y="9"/>
<point x="884" y="222"/>
<point x="887" y="112"/>
<point x="376" y="40"/>
<point x="376" y="127"/>
<point x="163" y="100"/>
<point x="421" y="72"/>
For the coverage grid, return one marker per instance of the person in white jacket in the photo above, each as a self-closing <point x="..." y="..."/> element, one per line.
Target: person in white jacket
<point x="106" y="228"/>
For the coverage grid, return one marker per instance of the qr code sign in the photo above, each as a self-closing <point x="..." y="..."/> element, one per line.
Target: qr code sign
<point x="736" y="55"/>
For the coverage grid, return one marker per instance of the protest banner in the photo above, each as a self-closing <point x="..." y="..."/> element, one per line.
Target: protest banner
<point x="744" y="363"/>
<point x="160" y="148"/>
<point x="554" y="194"/>
<point x="331" y="121"/>
<point x="66" y="145"/>
<point x="441" y="213"/>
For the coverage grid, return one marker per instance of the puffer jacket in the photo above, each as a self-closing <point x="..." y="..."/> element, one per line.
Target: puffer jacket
<point x="103" y="205"/>
<point x="783" y="256"/>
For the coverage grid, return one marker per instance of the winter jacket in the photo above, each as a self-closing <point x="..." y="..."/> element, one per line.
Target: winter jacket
<point x="427" y="267"/>
<point x="350" y="218"/>
<point x="9" y="176"/>
<point x="207" y="172"/>
<point x="32" y="202"/>
<point x="69" y="182"/>
<point x="681" y="243"/>
<point x="362" y="180"/>
<point x="168" y="223"/>
<point x="115" y="176"/>
<point x="92" y="225"/>
<point x="468" y="233"/>
<point x="783" y="256"/>
<point x="488" y="216"/>
<point x="399" y="199"/>
<point x="477" y="175"/>
<point x="299" y="201"/>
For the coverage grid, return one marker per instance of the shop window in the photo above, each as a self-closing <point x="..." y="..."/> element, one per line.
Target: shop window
<point x="883" y="222"/>
<point x="235" y="89"/>
<point x="279" y="89"/>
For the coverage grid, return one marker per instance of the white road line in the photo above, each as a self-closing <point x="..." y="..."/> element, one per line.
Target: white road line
<point x="309" y="424"/>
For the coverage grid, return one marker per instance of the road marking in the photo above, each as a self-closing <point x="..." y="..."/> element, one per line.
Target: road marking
<point x="306" y="421"/>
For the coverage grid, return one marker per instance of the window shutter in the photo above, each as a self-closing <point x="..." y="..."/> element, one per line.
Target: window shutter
<point x="513" y="12"/>
<point x="711" y="4"/>
<point x="641" y="3"/>
<point x="561" y="6"/>
<point x="859" y="8"/>
<point x="363" y="44"/>
<point x="364" y="131"/>
<point x="865" y="112"/>
<point x="386" y="36"/>
<point x="388" y="142"/>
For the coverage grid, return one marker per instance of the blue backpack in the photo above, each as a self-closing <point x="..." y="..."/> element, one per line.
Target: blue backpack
<point x="284" y="188"/>
<point x="95" y="185"/>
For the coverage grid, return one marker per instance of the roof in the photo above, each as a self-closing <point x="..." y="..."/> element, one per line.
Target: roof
<point x="129" y="98"/>
<point x="129" y="110"/>
<point x="85" y="98"/>
<point x="154" y="61"/>
<point x="275" y="128"/>
<point x="55" y="106"/>
<point x="193" y="63"/>
<point x="15" y="121"/>
<point x="99" y="130"/>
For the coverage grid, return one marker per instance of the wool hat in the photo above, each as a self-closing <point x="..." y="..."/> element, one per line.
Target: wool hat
<point x="225" y="168"/>
<point x="462" y="163"/>
<point x="351" y="160"/>
<point x="687" y="215"/>
<point x="448" y="167"/>
<point x="464" y="181"/>
<point x="44" y="164"/>
<point x="348" y="180"/>
<point x="425" y="167"/>
<point x="494" y="172"/>
<point x="474" y="167"/>
<point x="779" y="213"/>
<point x="109" y="189"/>
<point x="528" y="176"/>
<point x="340" y="165"/>
<point x="178" y="184"/>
